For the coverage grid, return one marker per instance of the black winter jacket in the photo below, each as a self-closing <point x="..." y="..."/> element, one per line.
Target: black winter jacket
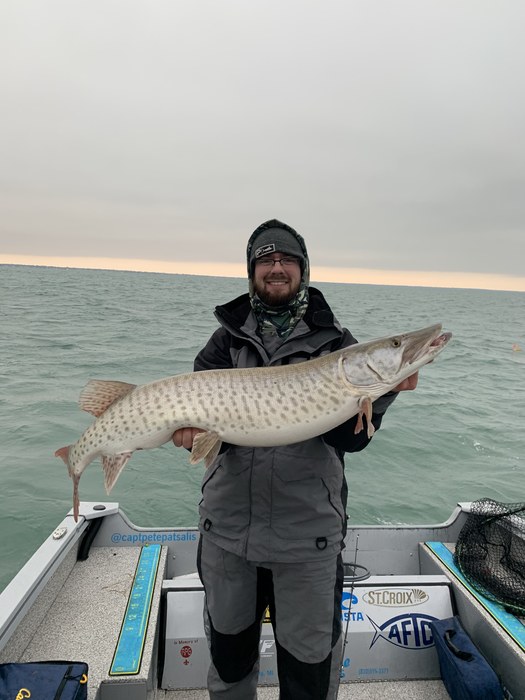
<point x="283" y="503"/>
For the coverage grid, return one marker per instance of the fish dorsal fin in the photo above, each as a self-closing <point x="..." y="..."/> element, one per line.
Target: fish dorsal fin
<point x="99" y="394"/>
<point x="205" y="446"/>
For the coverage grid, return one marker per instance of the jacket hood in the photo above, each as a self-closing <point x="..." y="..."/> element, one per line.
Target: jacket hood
<point x="275" y="236"/>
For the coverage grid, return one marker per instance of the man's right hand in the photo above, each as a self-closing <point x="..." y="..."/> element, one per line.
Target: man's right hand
<point x="183" y="437"/>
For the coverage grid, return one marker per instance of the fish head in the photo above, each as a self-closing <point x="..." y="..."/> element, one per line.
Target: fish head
<point x="385" y="362"/>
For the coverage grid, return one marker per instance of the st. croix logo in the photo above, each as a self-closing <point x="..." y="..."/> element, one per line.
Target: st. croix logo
<point x="395" y="597"/>
<point x="410" y="631"/>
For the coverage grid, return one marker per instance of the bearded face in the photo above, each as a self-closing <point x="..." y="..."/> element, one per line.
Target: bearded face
<point x="277" y="284"/>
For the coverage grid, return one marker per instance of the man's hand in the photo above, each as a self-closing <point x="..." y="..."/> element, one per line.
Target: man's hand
<point x="183" y="437"/>
<point x="408" y="384"/>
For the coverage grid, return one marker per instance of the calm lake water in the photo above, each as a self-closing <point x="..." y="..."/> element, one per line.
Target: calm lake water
<point x="460" y="436"/>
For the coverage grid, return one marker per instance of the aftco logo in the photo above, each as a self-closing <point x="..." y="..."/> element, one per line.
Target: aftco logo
<point x="267" y="647"/>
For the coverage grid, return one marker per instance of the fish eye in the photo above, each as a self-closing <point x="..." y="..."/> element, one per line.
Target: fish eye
<point x="396" y="342"/>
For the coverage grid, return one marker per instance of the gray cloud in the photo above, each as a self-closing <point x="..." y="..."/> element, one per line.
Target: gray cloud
<point x="389" y="133"/>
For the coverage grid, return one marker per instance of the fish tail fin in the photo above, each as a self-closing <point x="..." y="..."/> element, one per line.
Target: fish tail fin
<point x="63" y="453"/>
<point x="378" y="632"/>
<point x="76" y="499"/>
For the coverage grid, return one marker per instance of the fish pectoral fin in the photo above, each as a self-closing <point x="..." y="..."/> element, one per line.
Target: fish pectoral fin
<point x="206" y="446"/>
<point x="112" y="466"/>
<point x="98" y="395"/>
<point x="365" y="409"/>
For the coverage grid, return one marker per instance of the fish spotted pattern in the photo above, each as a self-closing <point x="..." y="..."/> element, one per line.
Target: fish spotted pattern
<point x="256" y="407"/>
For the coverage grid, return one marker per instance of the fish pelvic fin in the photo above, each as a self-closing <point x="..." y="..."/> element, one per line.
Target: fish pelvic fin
<point x="206" y="446"/>
<point x="365" y="409"/>
<point x="63" y="453"/>
<point x="98" y="395"/>
<point x="112" y="466"/>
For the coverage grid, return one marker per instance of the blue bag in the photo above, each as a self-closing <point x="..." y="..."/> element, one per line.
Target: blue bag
<point x="44" y="680"/>
<point x="465" y="672"/>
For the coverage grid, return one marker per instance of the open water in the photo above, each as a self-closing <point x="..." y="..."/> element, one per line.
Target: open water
<point x="458" y="437"/>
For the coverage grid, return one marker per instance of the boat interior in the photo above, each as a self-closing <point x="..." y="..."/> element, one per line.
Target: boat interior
<point x="127" y="601"/>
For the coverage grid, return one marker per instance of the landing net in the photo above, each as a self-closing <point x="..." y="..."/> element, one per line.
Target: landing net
<point x="490" y="552"/>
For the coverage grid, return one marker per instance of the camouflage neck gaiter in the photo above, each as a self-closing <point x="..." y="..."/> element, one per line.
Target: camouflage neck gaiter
<point x="280" y="320"/>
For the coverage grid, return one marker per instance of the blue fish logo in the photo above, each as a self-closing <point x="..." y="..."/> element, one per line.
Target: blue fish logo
<point x="348" y="599"/>
<point x="410" y="631"/>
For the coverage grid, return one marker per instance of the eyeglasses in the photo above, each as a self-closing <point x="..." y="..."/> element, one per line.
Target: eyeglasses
<point x="268" y="263"/>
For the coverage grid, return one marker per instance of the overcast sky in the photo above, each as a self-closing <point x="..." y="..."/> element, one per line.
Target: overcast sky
<point x="391" y="133"/>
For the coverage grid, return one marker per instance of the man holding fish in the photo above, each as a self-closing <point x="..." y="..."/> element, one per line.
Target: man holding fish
<point x="273" y="519"/>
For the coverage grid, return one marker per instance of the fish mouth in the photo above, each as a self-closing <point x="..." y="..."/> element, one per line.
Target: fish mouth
<point x="425" y="343"/>
<point x="441" y="340"/>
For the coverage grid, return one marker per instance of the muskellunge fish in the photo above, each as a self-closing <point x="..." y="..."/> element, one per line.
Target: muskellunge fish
<point x="259" y="407"/>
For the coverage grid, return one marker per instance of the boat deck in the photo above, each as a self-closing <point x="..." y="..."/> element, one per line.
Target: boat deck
<point x="81" y="591"/>
<point x="378" y="690"/>
<point x="94" y="595"/>
<point x="81" y="616"/>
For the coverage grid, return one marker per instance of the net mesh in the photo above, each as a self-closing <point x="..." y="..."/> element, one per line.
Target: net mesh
<point x="490" y="552"/>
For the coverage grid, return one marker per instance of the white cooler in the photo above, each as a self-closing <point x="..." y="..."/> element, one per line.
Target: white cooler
<point x="388" y="630"/>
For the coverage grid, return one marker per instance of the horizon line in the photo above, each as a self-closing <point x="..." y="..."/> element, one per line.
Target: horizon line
<point x="345" y="275"/>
